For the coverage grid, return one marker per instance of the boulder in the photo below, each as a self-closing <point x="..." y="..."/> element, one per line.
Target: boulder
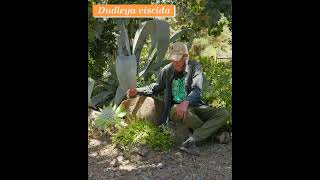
<point x="143" y="107"/>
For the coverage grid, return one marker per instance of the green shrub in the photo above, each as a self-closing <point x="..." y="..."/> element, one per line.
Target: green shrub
<point x="142" y="132"/>
<point x="219" y="90"/>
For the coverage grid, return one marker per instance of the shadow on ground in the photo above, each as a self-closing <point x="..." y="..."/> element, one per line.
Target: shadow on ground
<point x="106" y="162"/>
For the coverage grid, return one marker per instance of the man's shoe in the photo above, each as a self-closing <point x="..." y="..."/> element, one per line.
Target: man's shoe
<point x="189" y="146"/>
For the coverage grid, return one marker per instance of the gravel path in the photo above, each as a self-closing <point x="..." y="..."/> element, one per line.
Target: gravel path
<point x="105" y="162"/>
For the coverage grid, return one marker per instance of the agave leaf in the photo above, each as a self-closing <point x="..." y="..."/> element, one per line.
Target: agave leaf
<point x="101" y="97"/>
<point x="147" y="65"/>
<point x="178" y="34"/>
<point x="152" y="52"/>
<point x="90" y="86"/>
<point x="122" y="39"/>
<point x="126" y="70"/>
<point x="120" y="109"/>
<point x="159" y="31"/>
<point x="114" y="107"/>
<point x="120" y="94"/>
<point x="153" y="67"/>
<point x="121" y="114"/>
<point x="145" y="29"/>
<point x="163" y="38"/>
<point x="90" y="89"/>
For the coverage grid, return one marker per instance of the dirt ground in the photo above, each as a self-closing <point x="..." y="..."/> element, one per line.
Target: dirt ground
<point x="106" y="162"/>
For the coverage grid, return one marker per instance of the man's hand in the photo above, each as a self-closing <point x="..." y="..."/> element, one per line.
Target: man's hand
<point x="181" y="109"/>
<point x="132" y="92"/>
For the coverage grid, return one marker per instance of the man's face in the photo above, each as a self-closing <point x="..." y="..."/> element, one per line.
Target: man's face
<point x="179" y="65"/>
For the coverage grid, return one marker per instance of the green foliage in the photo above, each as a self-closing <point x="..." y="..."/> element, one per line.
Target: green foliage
<point x="105" y="88"/>
<point x="219" y="76"/>
<point x="143" y="81"/>
<point x="142" y="132"/>
<point x="101" y="43"/>
<point x="185" y="35"/>
<point x="213" y="46"/>
<point x="209" y="51"/>
<point x="202" y="15"/>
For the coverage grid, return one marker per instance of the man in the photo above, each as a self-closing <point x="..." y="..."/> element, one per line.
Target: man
<point x="182" y="80"/>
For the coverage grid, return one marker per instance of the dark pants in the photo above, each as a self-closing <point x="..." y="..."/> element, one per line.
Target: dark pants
<point x="203" y="120"/>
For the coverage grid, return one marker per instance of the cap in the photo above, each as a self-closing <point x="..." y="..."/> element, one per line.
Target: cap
<point x="177" y="50"/>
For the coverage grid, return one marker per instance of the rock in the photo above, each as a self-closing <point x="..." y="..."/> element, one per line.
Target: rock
<point x="94" y="154"/>
<point x="160" y="165"/>
<point x="180" y="132"/>
<point x="127" y="167"/>
<point x="151" y="155"/>
<point x="126" y="155"/>
<point x="131" y="177"/>
<point x="178" y="155"/>
<point x="143" y="107"/>
<point x="93" y="132"/>
<point x="125" y="162"/>
<point x="135" y="158"/>
<point x="157" y="158"/>
<point x="92" y="115"/>
<point x="163" y="174"/>
<point x="94" y="142"/>
<point x="224" y="138"/>
<point x="141" y="150"/>
<point x="115" y="163"/>
<point x="199" y="178"/>
<point x="117" y="174"/>
<point x="142" y="177"/>
<point x="120" y="158"/>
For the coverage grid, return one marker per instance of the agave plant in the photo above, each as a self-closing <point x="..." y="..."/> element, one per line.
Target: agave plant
<point x="101" y="97"/>
<point x="127" y="62"/>
<point x="90" y="89"/>
<point x="110" y="116"/>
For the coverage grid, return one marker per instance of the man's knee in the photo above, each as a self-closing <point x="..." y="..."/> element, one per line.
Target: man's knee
<point x="173" y="112"/>
<point x="225" y="113"/>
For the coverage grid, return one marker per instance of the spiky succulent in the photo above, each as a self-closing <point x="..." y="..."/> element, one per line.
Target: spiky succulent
<point x="110" y="115"/>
